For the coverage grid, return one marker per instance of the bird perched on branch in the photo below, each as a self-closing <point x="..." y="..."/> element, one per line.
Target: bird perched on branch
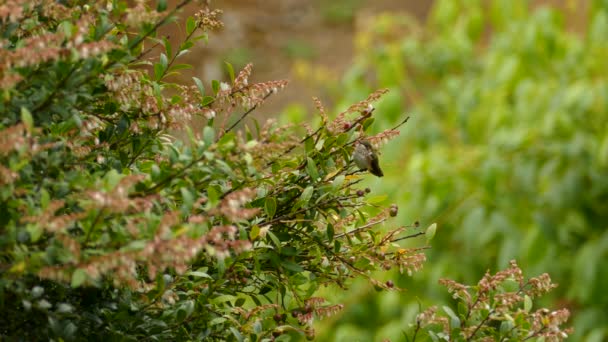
<point x="366" y="158"/>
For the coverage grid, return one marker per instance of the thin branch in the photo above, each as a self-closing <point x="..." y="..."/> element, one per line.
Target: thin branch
<point x="302" y="210"/>
<point x="408" y="237"/>
<point x="293" y="147"/>
<point x="53" y="95"/>
<point x="160" y="23"/>
<point x="480" y="325"/>
<point x="143" y="53"/>
<point x="365" y="226"/>
<point x="416" y="331"/>
<point x="168" y="179"/>
<point x="95" y="221"/>
<point x="400" y="124"/>
<point x="246" y="113"/>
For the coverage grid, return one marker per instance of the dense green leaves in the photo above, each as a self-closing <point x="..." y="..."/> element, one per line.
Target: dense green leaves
<point x="114" y="229"/>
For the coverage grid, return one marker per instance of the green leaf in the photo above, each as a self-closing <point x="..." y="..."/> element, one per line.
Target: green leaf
<point x="455" y="321"/>
<point x="207" y="100"/>
<point x="161" y="67"/>
<point x="254" y="233"/>
<point x="177" y="99"/>
<point x="510" y="285"/>
<point x="187" y="198"/>
<point x="161" y="5"/>
<point x="319" y="144"/>
<point x="274" y="239"/>
<point x="306" y="195"/>
<point x="181" y="66"/>
<point x="227" y="141"/>
<point x="291" y="266"/>
<point x="376" y="199"/>
<point x="270" y="206"/>
<point x="67" y="28"/>
<point x="215" y="85"/>
<point x="208" y="135"/>
<point x="199" y="274"/>
<point x="199" y="85"/>
<point x="224" y="167"/>
<point x="163" y="60"/>
<point x="330" y="232"/>
<point x="45" y="198"/>
<point x="217" y="320"/>
<point x="527" y="303"/>
<point x="111" y="179"/>
<point x="186" y="45"/>
<point x="289" y="251"/>
<point x="167" y="45"/>
<point x="190" y="25"/>
<point x="78" y="277"/>
<point x="239" y="302"/>
<point x="342" y="139"/>
<point x="188" y="307"/>
<point x="223" y="299"/>
<point x="337" y="182"/>
<point x="237" y="334"/>
<point x="158" y="71"/>
<point x="506" y="326"/>
<point x="430" y="232"/>
<point x="309" y="145"/>
<point x="35" y="232"/>
<point x="462" y="309"/>
<point x="26" y="118"/>
<point x="181" y="53"/>
<point x="203" y="36"/>
<point x="213" y="194"/>
<point x="312" y="169"/>
<point x="230" y="70"/>
<point x="367" y="122"/>
<point x="135" y="245"/>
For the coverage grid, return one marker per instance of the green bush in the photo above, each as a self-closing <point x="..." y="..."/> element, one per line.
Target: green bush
<point x="507" y="148"/>
<point x="112" y="229"/>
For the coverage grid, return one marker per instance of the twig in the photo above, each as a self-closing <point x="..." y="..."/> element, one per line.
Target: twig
<point x="416" y="331"/>
<point x="400" y="124"/>
<point x="160" y="23"/>
<point x="247" y="113"/>
<point x="95" y="221"/>
<point x="363" y="227"/>
<point x="143" y="53"/>
<point x="408" y="237"/>
<point x="479" y="326"/>
<point x="293" y="147"/>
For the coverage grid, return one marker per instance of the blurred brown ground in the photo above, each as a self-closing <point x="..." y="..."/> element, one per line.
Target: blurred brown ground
<point x="272" y="34"/>
<point x="275" y="34"/>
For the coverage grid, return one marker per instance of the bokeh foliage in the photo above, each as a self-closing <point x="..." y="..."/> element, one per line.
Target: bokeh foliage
<point x="507" y="150"/>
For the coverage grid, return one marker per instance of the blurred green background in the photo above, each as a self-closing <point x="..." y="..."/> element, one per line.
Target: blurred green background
<point x="507" y="151"/>
<point x="506" y="148"/>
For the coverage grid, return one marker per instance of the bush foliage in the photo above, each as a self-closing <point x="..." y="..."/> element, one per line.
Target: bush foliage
<point x="113" y="229"/>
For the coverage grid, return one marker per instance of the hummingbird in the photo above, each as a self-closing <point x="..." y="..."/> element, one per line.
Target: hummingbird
<point x="366" y="158"/>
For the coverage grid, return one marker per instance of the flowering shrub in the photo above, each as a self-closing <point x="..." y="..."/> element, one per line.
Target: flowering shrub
<point x="114" y="229"/>
<point x="498" y="308"/>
